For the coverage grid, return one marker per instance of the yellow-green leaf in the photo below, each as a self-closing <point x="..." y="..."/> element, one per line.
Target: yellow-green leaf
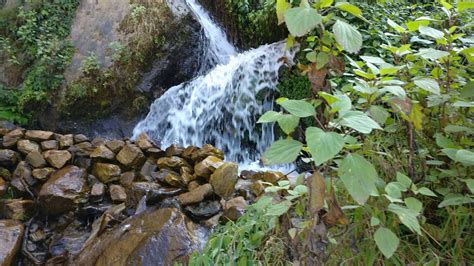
<point x="281" y="7"/>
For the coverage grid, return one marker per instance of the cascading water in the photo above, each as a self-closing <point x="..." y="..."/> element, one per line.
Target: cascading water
<point x="221" y="107"/>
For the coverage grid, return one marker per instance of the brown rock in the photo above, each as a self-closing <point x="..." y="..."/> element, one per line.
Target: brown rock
<point x="131" y="156"/>
<point x="127" y="178"/>
<point x="43" y="174"/>
<point x="97" y="141"/>
<point x="153" y="191"/>
<point x="212" y="222"/>
<point x="174" y="150"/>
<point x="50" y="145"/>
<point x="11" y="236"/>
<point x="144" y="142"/>
<point x="172" y="163"/>
<point x="97" y="192"/>
<point x="64" y="190"/>
<point x="207" y="166"/>
<point x="6" y="127"/>
<point x="66" y="141"/>
<point x="10" y="139"/>
<point x="57" y="158"/>
<point x="272" y="176"/>
<point x="86" y="148"/>
<point x="5" y="174"/>
<point x="3" y="187"/>
<point x="117" y="193"/>
<point x="35" y="159"/>
<point x="38" y="135"/>
<point x="174" y="179"/>
<point x="18" y="209"/>
<point x="115" y="145"/>
<point x="206" y="151"/>
<point x="234" y="208"/>
<point x="257" y="188"/>
<point x="193" y="185"/>
<point x="224" y="178"/>
<point x="8" y="158"/>
<point x="23" y="172"/>
<point x="106" y="172"/>
<point x="195" y="196"/>
<point x="187" y="174"/>
<point x="102" y="152"/>
<point x="188" y="152"/>
<point x="148" y="170"/>
<point x="26" y="146"/>
<point x="155" y="153"/>
<point x="80" y="138"/>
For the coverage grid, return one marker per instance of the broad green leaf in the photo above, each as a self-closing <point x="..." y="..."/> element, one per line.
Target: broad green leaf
<point x="406" y="216"/>
<point x="379" y="114"/>
<point x="431" y="32"/>
<point x="373" y="59"/>
<point x="464" y="5"/>
<point x="321" y="60"/>
<point x="288" y="123"/>
<point x="393" y="190"/>
<point x="374" y="221"/>
<point x="342" y="105"/>
<point x="463" y="104"/>
<point x="454" y="200"/>
<point x="281" y="7"/>
<point x="444" y="142"/>
<point x="278" y="209"/>
<point x="323" y="146"/>
<point x="386" y="241"/>
<point x="268" y="117"/>
<point x="458" y="129"/>
<point x="470" y="184"/>
<point x="311" y="56"/>
<point x="462" y="156"/>
<point x="325" y="3"/>
<point x="395" y="26"/>
<point x="298" y="108"/>
<point x="415" y="25"/>
<point x="425" y="191"/>
<point x="395" y="90"/>
<point x="347" y="36"/>
<point x="427" y="84"/>
<point x="282" y="151"/>
<point x="404" y="180"/>
<point x="416" y="116"/>
<point x="301" y="20"/>
<point x="359" y="121"/>
<point x="432" y="54"/>
<point x="414" y="204"/>
<point x="359" y="177"/>
<point x="344" y="6"/>
<point x="445" y="4"/>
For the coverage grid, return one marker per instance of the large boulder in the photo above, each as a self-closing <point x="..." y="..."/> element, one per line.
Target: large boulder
<point x="8" y="158"/>
<point x="155" y="237"/>
<point x="195" y="196"/>
<point x="206" y="167"/>
<point x="39" y="135"/>
<point x="11" y="235"/>
<point x="131" y="156"/>
<point x="223" y="180"/>
<point x="64" y="190"/>
<point x="56" y="158"/>
<point x="106" y="172"/>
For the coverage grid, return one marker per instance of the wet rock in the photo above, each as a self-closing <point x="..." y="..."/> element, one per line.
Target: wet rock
<point x="172" y="163"/>
<point x="80" y="138"/>
<point x="35" y="159"/>
<point x="248" y="174"/>
<point x="127" y="178"/>
<point x="203" y="210"/>
<point x="195" y="196"/>
<point x="193" y="185"/>
<point x="187" y="175"/>
<point x="234" y="208"/>
<point x="10" y="139"/>
<point x="106" y="172"/>
<point x="206" y="151"/>
<point x="98" y="141"/>
<point x="50" y="145"/>
<point x="6" y="127"/>
<point x="155" y="153"/>
<point x="144" y="142"/>
<point x="17" y="185"/>
<point x="3" y="187"/>
<point x="272" y="176"/>
<point x="57" y="158"/>
<point x="117" y="193"/>
<point x="224" y="178"/>
<point x="38" y="135"/>
<point x="172" y="178"/>
<point x="5" y="174"/>
<point x="174" y="150"/>
<point x="8" y="158"/>
<point x="115" y="145"/>
<point x="86" y="148"/>
<point x="148" y="170"/>
<point x="18" y="209"/>
<point x="131" y="156"/>
<point x="66" y="141"/>
<point x="102" y="152"/>
<point x="97" y="192"/>
<point x="213" y="221"/>
<point x="156" y="237"/>
<point x="153" y="192"/>
<point x="68" y="243"/>
<point x="243" y="188"/>
<point x="257" y="188"/>
<point x="26" y="146"/>
<point x="43" y="174"/>
<point x="11" y="235"/>
<point x="207" y="166"/>
<point x="188" y="152"/>
<point x="64" y="190"/>
<point x="82" y="162"/>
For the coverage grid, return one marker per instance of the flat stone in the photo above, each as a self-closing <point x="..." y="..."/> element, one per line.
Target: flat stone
<point x="43" y="174"/>
<point x="106" y="172"/>
<point x="10" y="139"/>
<point x="23" y="172"/>
<point x="11" y="236"/>
<point x="102" y="152"/>
<point x="188" y="152"/>
<point x="8" y="158"/>
<point x="39" y="135"/>
<point x="117" y="193"/>
<point x="97" y="141"/>
<point x="26" y="146"/>
<point x="66" y="141"/>
<point x="224" y="178"/>
<point x="131" y="156"/>
<point x="86" y="148"/>
<point x="195" y="196"/>
<point x="153" y="192"/>
<point x="207" y="166"/>
<point x="56" y="158"/>
<point x="65" y="189"/>
<point x="50" y="145"/>
<point x="35" y="159"/>
<point x="115" y="145"/>
<point x="148" y="170"/>
<point x="80" y="138"/>
<point x="145" y="142"/>
<point x="272" y="176"/>
<point x="203" y="210"/>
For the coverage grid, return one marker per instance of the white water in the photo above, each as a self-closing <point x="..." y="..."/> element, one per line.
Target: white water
<point x="221" y="107"/>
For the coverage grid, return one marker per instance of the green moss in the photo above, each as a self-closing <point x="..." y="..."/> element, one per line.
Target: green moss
<point x="293" y="85"/>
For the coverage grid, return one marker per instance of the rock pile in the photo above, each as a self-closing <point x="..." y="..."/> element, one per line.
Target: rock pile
<point x="59" y="193"/>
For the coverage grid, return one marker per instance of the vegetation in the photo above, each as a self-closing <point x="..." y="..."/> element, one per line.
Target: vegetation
<point x="389" y="149"/>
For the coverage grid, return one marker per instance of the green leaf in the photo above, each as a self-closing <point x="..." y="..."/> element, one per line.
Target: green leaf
<point x="321" y="60"/>
<point x="458" y="129"/>
<point x="386" y="241"/>
<point x="432" y="54"/>
<point x="344" y="6"/>
<point x="311" y="56"/>
<point x="462" y="156"/>
<point x="323" y="146"/>
<point x="347" y="36"/>
<point x="464" y="5"/>
<point x="373" y="59"/>
<point x="429" y="85"/>
<point x="379" y="114"/>
<point x="393" y="190"/>
<point x="282" y="151"/>
<point x="431" y="32"/>
<point x="426" y="191"/>
<point x="302" y="20"/>
<point x="415" y="25"/>
<point x="268" y="117"/>
<point x="325" y="3"/>
<point x="395" y="90"/>
<point x="298" y="108"/>
<point x="455" y="200"/>
<point x="281" y="7"/>
<point x="404" y="180"/>
<point x="406" y="216"/>
<point x="463" y="104"/>
<point x="278" y="209"/>
<point x="288" y="123"/>
<point x="374" y="221"/>
<point x="414" y="204"/>
<point x="444" y="142"/>
<point x="359" y="177"/>
<point x="470" y="184"/>
<point x="359" y="121"/>
<point x="395" y="26"/>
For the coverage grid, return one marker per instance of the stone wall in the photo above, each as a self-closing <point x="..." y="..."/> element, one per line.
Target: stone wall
<point x="60" y="192"/>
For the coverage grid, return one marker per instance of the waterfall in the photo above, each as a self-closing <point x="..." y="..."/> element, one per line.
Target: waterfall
<point x="222" y="106"/>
